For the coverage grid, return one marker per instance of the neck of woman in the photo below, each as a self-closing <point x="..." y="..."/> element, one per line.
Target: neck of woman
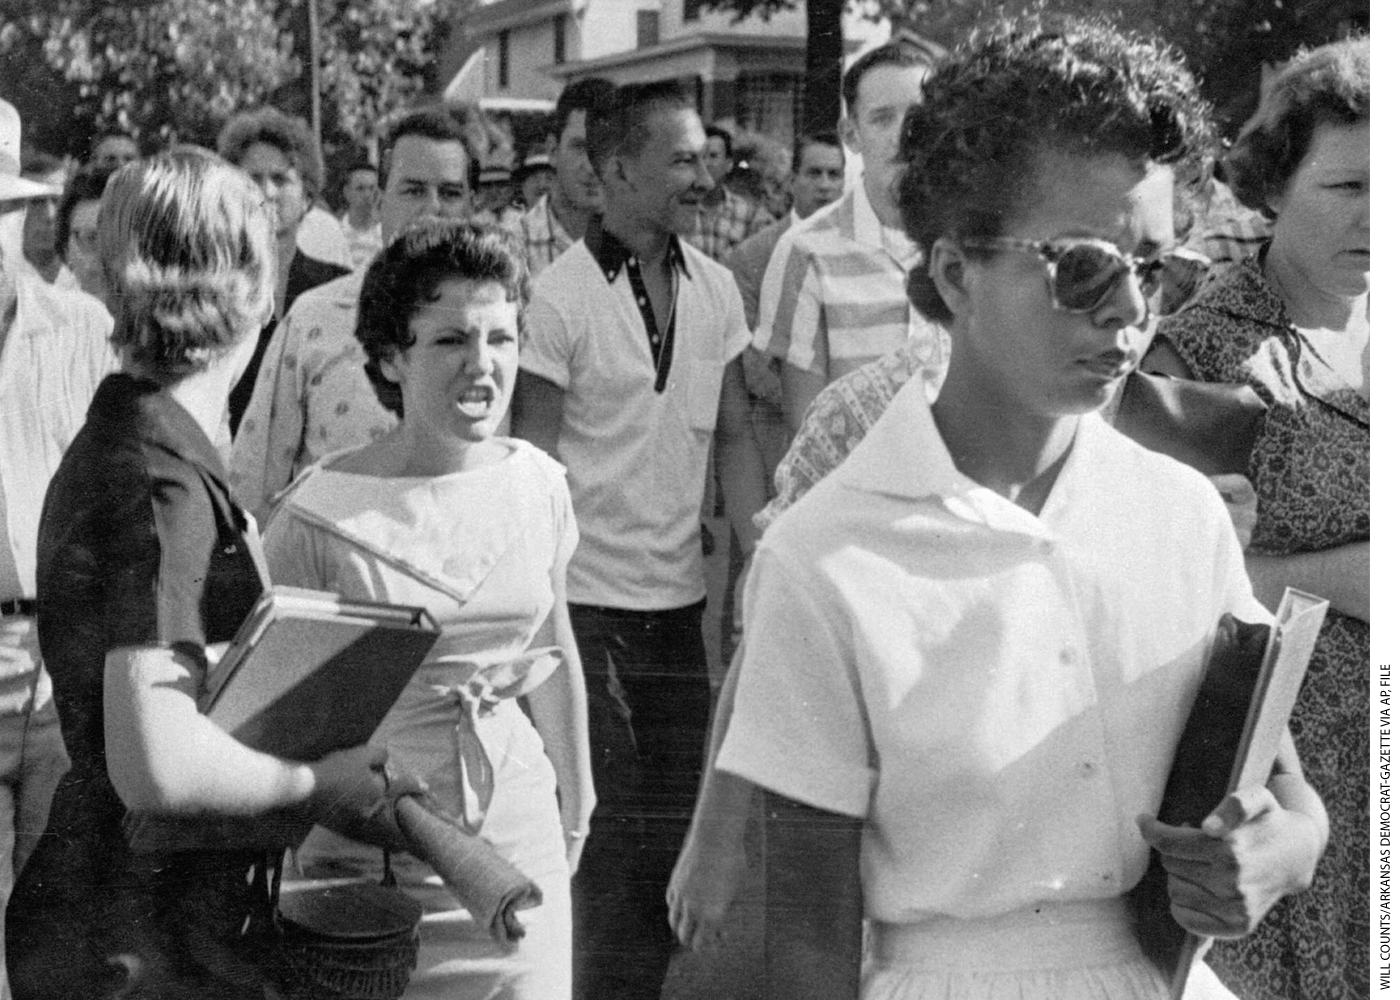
<point x="1009" y="450"/>
<point x="1308" y="304"/>
<point x="202" y="394"/>
<point x="407" y="453"/>
<point x="286" y="250"/>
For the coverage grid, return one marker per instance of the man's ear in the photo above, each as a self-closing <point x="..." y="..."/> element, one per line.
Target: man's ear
<point x="947" y="268"/>
<point x="846" y="128"/>
<point x="389" y="367"/>
<point x="615" y="170"/>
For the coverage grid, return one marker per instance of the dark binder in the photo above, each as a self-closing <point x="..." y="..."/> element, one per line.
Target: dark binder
<point x="307" y="674"/>
<point x="1230" y="741"/>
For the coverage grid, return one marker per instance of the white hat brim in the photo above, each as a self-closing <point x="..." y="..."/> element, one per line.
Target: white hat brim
<point x="14" y="188"/>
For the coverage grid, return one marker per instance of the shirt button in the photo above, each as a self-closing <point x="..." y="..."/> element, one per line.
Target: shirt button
<point x="1067" y="655"/>
<point x="1088" y="769"/>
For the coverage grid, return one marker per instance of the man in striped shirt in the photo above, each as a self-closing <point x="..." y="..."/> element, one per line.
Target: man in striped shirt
<point x="833" y="296"/>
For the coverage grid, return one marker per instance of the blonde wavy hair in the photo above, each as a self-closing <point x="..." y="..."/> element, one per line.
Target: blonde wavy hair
<point x="187" y="247"/>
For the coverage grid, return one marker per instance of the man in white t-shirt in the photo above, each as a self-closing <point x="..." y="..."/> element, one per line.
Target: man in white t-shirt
<point x="631" y="354"/>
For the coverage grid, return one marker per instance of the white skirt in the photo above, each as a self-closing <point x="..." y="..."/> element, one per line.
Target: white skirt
<point x="457" y="957"/>
<point x="1062" y="951"/>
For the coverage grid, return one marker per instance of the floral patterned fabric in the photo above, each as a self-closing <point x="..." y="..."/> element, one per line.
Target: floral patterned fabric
<point x="312" y="397"/>
<point x="1311" y="470"/>
<point x="841" y="415"/>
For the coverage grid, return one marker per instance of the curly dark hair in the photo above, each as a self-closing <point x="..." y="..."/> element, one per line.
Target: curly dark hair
<point x="291" y="136"/>
<point x="407" y="275"/>
<point x="1328" y="85"/>
<point x="1024" y="87"/>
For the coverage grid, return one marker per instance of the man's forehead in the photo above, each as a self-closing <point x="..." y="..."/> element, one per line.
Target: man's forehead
<point x="889" y="86"/>
<point x="676" y="128"/>
<point x="421" y="156"/>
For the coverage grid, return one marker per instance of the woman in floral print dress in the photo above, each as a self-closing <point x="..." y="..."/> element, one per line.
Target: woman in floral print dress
<point x="1295" y="326"/>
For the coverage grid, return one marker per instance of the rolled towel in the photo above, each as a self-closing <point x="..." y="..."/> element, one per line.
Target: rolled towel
<point x="490" y="887"/>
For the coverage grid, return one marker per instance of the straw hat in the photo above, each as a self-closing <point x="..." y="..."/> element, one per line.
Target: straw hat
<point x="13" y="187"/>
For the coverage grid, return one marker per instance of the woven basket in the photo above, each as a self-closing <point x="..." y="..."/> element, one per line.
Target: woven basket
<point x="358" y="941"/>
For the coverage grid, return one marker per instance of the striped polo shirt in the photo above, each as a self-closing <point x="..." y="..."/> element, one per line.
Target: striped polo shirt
<point x="834" y="296"/>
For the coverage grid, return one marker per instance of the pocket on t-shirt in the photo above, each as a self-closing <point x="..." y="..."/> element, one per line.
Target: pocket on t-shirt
<point x="702" y="394"/>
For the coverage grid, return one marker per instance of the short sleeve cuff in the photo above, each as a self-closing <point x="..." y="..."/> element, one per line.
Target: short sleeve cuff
<point x="822" y="784"/>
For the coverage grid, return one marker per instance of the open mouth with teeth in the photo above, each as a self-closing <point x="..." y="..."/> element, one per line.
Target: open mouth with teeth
<point x="476" y="401"/>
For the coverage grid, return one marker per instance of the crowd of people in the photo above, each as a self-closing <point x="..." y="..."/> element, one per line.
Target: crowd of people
<point x="971" y="616"/>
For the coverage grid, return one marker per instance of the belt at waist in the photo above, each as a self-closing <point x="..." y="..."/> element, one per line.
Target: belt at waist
<point x="26" y="606"/>
<point x="1044" y="936"/>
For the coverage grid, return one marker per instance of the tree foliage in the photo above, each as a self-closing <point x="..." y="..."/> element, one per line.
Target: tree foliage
<point x="1226" y="42"/>
<point x="177" y="69"/>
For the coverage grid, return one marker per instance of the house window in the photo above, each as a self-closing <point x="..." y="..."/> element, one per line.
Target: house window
<point x="690" y="11"/>
<point x="648" y="28"/>
<point x="560" y="39"/>
<point x="503" y="61"/>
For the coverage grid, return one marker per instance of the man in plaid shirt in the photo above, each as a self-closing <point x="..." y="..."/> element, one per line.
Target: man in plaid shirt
<point x="552" y="224"/>
<point x="727" y="218"/>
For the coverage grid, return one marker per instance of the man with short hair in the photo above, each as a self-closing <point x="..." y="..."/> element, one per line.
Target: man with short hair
<point x="312" y="396"/>
<point x="551" y="224"/>
<point x="818" y="177"/>
<point x="833" y="296"/>
<point x="631" y="356"/>
<point x="728" y="218"/>
<point x="360" y="223"/>
<point x="54" y="351"/>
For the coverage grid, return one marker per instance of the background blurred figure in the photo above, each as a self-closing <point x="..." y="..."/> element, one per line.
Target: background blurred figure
<point x="53" y="354"/>
<point x="495" y="195"/>
<point x="550" y="226"/>
<point x="111" y="150"/>
<point x="75" y="230"/>
<point x="279" y="154"/>
<point x="360" y="223"/>
<point x="534" y="178"/>
<point x="818" y="180"/>
<point x="41" y="247"/>
<point x="1295" y="325"/>
<point x="726" y="218"/>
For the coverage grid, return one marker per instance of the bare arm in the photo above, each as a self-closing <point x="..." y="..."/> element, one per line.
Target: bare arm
<point x="164" y="756"/>
<point x="712" y="862"/>
<point x="559" y="707"/>
<point x="738" y="459"/>
<point x="814" y="905"/>
<point x="1342" y="575"/>
<point x="799" y="389"/>
<point x="537" y="412"/>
